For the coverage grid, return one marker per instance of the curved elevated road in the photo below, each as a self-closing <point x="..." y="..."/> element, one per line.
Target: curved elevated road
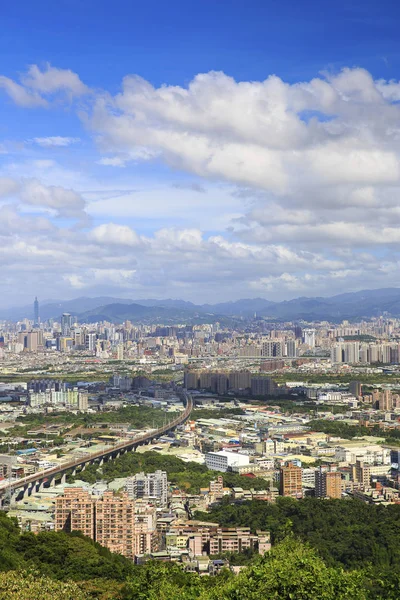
<point x="31" y="481"/>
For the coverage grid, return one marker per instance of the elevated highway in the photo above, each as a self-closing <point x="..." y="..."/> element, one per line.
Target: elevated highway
<point x="47" y="477"/>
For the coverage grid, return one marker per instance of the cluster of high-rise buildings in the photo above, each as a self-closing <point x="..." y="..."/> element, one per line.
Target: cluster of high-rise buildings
<point x="372" y="353"/>
<point x="114" y="520"/>
<point x="73" y="399"/>
<point x="51" y="392"/>
<point x="221" y="382"/>
<point x="384" y="400"/>
<point x="327" y="481"/>
<point x="256" y="344"/>
<point x="270" y="349"/>
<point x="136" y="522"/>
<point x="178" y="342"/>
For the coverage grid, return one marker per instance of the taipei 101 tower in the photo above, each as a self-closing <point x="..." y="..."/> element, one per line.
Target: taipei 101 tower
<point x="36" y="312"/>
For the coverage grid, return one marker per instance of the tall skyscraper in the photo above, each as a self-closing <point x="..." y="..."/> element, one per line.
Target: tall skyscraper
<point x="67" y="321"/>
<point x="90" y="342"/>
<point x="83" y="401"/>
<point x="262" y="386"/>
<point x="298" y="334"/>
<point x="290" y="348"/>
<point x="115" y="524"/>
<point x="36" y="312"/>
<point x="362" y="473"/>
<point x="270" y="349"/>
<point x="309" y="337"/>
<point x="386" y="400"/>
<point x="32" y="341"/>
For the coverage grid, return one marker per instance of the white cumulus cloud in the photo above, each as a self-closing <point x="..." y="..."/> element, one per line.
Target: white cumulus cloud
<point x="37" y="86"/>
<point x="113" y="234"/>
<point x="57" y="141"/>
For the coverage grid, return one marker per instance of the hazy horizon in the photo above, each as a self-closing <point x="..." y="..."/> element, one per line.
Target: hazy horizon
<point x="46" y="301"/>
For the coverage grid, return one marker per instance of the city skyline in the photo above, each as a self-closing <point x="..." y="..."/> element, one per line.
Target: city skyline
<point x="197" y="155"/>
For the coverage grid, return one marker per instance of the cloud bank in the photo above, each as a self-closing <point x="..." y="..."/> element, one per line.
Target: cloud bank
<point x="313" y="167"/>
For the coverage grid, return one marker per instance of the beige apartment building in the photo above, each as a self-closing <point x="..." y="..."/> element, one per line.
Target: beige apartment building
<point x="114" y="520"/>
<point x="237" y="539"/>
<point x="362" y="473"/>
<point x="212" y="539"/>
<point x="146" y="535"/>
<point x="75" y="512"/>
<point x="115" y="524"/>
<point x="216" y="487"/>
<point x="291" y="481"/>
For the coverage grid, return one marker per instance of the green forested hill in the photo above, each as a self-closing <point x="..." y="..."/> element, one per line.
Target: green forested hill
<point x="325" y="550"/>
<point x="347" y="533"/>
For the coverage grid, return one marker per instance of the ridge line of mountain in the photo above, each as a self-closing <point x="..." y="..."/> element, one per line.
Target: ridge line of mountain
<point x="349" y="305"/>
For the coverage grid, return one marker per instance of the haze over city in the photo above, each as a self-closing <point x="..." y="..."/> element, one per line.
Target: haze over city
<point x="205" y="154"/>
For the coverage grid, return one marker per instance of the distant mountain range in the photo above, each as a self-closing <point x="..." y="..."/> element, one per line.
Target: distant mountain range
<point x="352" y="305"/>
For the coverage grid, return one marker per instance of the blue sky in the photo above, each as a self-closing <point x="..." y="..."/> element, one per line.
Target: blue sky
<point x="124" y="170"/>
<point x="171" y="41"/>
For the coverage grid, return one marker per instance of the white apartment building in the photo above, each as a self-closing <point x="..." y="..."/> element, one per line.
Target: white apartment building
<point x="222" y="461"/>
<point x="308" y="477"/>
<point x="309" y="337"/>
<point x="150" y="486"/>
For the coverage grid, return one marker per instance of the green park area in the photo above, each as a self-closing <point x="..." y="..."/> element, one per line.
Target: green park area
<point x="138" y="417"/>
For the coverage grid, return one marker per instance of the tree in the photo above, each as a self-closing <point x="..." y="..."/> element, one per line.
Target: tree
<point x="292" y="571"/>
<point x="163" y="581"/>
<point x="28" y="585"/>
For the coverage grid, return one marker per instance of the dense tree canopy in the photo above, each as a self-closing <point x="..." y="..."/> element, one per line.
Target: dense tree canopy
<point x="222" y="413"/>
<point x="31" y="586"/>
<point x="189" y="476"/>
<point x="346" y="533"/>
<point x="292" y="571"/>
<point x="62" y="557"/>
